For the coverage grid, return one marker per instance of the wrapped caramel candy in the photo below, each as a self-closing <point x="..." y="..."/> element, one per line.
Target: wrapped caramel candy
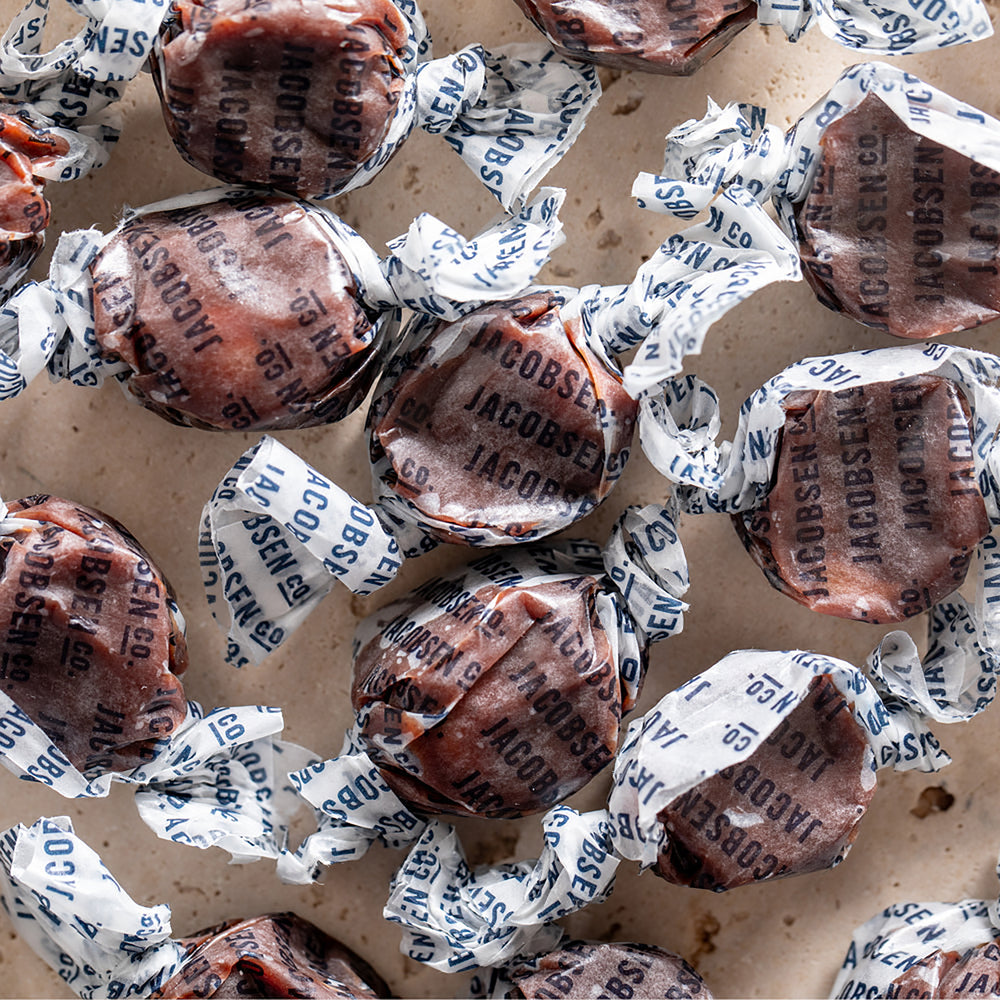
<point x="503" y="427"/>
<point x="277" y="955"/>
<point x="203" y="310"/>
<point x="593" y="968"/>
<point x="864" y="485"/>
<point x="314" y="97"/>
<point x="761" y="767"/>
<point x="889" y="186"/>
<point x="94" y="644"/>
<point x="678" y="36"/>
<point x="925" y="949"/>
<point x="131" y="953"/>
<point x="499" y="690"/>
<point x="90" y="661"/>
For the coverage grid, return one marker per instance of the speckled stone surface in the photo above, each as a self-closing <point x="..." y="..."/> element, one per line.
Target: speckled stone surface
<point x="778" y="939"/>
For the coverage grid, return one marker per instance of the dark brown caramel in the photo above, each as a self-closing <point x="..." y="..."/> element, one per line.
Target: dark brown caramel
<point x="947" y="974"/>
<point x="672" y="37"/>
<point x="898" y="232"/>
<point x="287" y="94"/>
<point x="505" y="428"/>
<point x="234" y="315"/>
<point x="24" y="212"/>
<point x="874" y="513"/>
<point x="791" y="807"/>
<point x="89" y="647"/>
<point x="519" y="682"/>
<point x="277" y="955"/>
<point x="592" y="969"/>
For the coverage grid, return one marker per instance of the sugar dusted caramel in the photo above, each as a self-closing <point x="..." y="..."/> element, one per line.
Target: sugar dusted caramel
<point x="507" y="699"/>
<point x="598" y="969"/>
<point x="975" y="973"/>
<point x="276" y="955"/>
<point x="792" y="807"/>
<point x="673" y="37"/>
<point x="289" y="94"/>
<point x="874" y="512"/>
<point x="505" y="419"/>
<point x="899" y="231"/>
<point x="90" y="647"/>
<point x="240" y="314"/>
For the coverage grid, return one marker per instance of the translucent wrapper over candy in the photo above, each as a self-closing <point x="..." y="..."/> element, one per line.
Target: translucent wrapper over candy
<point x="594" y="968"/>
<point x="164" y="305"/>
<point x="496" y="691"/>
<point x="93" y="644"/>
<point x="544" y="425"/>
<point x="761" y="767"/>
<point x="76" y="916"/>
<point x="677" y="38"/>
<point x="889" y="186"/>
<point x="864" y="485"/>
<point x="314" y="97"/>
<point x="924" y="950"/>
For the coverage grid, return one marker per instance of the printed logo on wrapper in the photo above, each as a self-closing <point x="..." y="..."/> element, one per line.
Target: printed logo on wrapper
<point x="678" y="429"/>
<point x="722" y="717"/>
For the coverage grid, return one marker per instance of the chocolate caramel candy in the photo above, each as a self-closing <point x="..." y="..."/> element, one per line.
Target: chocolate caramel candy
<point x="288" y="94"/>
<point x="504" y="419"/>
<point x="24" y="212"/>
<point x="651" y="36"/>
<point x="90" y="647"/>
<point x="276" y="955"/>
<point x="240" y="314"/>
<point x="948" y="974"/>
<point x="898" y="231"/>
<point x="792" y="807"/>
<point x="594" y="969"/>
<point x="498" y="702"/>
<point x="874" y="512"/>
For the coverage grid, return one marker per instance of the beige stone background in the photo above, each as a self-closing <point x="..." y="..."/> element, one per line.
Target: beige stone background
<point x="778" y="939"/>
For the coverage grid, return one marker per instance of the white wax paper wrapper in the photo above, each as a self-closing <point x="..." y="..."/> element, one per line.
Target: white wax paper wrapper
<point x="456" y="919"/>
<point x="219" y="780"/>
<point x="678" y="429"/>
<point x="50" y="325"/>
<point x="904" y="934"/>
<point x="732" y="145"/>
<point x="65" y="903"/>
<point x="894" y="28"/>
<point x="76" y="84"/>
<point x="721" y="717"/>
<point x="644" y="562"/>
<point x="694" y="279"/>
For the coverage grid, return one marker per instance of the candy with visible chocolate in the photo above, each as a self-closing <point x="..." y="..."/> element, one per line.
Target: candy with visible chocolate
<point x="643" y="35"/>
<point x="874" y="512"/>
<point x="615" y="969"/>
<point x="502" y="425"/>
<point x="898" y="230"/>
<point x="91" y="646"/>
<point x="289" y="95"/>
<point x="976" y="973"/>
<point x="498" y="700"/>
<point x="275" y="955"/>
<point x="239" y="314"/>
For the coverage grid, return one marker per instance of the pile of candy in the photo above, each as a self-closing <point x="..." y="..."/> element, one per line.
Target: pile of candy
<point x="469" y="511"/>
